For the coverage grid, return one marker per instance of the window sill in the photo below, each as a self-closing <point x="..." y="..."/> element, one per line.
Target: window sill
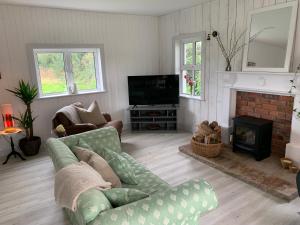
<point x="70" y="95"/>
<point x="198" y="98"/>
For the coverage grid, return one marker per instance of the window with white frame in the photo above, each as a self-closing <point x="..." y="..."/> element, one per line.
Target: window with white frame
<point x="67" y="71"/>
<point x="189" y="54"/>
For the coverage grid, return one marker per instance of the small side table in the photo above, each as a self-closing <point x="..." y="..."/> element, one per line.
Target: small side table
<point x="13" y="152"/>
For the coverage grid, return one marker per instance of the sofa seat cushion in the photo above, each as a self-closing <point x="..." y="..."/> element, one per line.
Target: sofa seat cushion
<point x="146" y="181"/>
<point x="123" y="196"/>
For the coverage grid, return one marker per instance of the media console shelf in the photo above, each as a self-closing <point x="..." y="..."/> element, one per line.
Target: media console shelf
<point x="153" y="118"/>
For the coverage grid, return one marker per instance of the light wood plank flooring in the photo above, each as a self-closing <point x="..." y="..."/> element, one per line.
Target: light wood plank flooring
<point x="26" y="188"/>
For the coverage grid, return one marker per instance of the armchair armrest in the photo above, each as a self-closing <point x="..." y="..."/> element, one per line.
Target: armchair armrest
<point x="298" y="182"/>
<point x="107" y="117"/>
<point x="80" y="128"/>
<point x="181" y="205"/>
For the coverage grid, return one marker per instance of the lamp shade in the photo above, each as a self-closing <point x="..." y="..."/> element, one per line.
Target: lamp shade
<point x="7" y="115"/>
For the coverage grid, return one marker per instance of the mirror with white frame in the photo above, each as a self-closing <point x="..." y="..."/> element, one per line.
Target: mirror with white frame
<point x="270" y="38"/>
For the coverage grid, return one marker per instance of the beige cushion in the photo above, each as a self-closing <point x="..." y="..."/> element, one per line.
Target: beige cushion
<point x="91" y="115"/>
<point x="98" y="163"/>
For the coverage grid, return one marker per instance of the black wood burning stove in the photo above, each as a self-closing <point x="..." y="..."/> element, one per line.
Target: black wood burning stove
<point x="253" y="135"/>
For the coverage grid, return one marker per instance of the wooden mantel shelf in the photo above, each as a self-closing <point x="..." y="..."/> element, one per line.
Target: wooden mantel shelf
<point x="257" y="73"/>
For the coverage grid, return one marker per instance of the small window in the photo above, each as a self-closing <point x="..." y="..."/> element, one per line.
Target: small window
<point x="67" y="71"/>
<point x="189" y="63"/>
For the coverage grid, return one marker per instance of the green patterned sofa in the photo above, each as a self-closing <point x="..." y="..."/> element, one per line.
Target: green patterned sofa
<point x="165" y="205"/>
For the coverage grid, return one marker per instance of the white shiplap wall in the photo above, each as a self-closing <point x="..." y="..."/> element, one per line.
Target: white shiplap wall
<point x="209" y="16"/>
<point x="130" y="42"/>
<point x="133" y="45"/>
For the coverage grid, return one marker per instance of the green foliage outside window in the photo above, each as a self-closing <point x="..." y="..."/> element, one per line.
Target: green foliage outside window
<point x="52" y="72"/>
<point x="53" y="76"/>
<point x="84" y="71"/>
<point x="192" y="59"/>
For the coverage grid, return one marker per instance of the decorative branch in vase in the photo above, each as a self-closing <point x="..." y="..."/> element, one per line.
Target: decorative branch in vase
<point x="235" y="45"/>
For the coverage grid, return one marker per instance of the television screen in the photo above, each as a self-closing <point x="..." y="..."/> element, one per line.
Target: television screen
<point x="153" y="90"/>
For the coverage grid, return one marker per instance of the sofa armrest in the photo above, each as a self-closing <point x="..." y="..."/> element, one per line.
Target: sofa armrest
<point x="80" y="128"/>
<point x="181" y="205"/>
<point x="107" y="117"/>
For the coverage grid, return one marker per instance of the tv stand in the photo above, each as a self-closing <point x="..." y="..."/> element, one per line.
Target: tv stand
<point x="153" y="118"/>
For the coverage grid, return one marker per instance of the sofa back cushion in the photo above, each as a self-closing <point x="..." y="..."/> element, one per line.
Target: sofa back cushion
<point x="97" y="139"/>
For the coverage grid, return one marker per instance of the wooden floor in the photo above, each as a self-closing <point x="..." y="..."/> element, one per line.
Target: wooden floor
<point x="26" y="188"/>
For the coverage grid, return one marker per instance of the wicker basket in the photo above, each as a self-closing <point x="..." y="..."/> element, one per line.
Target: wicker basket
<point x="286" y="163"/>
<point x="206" y="150"/>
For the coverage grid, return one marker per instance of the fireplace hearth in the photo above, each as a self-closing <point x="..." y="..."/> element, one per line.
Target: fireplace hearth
<point x="253" y="135"/>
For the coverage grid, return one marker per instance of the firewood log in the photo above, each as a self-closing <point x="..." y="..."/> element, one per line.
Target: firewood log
<point x="208" y="133"/>
<point x="213" y="124"/>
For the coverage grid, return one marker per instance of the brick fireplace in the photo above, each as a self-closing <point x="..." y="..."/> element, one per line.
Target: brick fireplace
<point x="277" y="108"/>
<point x="265" y="95"/>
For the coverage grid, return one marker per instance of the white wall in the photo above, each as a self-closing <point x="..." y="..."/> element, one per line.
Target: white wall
<point x="209" y="16"/>
<point x="130" y="43"/>
<point x="133" y="45"/>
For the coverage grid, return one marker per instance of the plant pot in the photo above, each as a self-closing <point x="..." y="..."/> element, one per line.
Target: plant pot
<point x="30" y="147"/>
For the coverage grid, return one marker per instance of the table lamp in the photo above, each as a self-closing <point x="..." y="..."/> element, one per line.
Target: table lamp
<point x="7" y="116"/>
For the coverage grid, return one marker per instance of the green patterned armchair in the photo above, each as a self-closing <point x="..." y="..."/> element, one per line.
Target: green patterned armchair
<point x="165" y="205"/>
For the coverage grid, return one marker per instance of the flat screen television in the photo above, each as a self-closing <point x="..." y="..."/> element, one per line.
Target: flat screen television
<point x="153" y="90"/>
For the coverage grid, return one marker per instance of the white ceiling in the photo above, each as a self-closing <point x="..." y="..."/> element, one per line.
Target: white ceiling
<point x="138" y="7"/>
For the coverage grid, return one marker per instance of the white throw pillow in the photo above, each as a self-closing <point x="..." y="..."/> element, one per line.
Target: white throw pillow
<point x="91" y="115"/>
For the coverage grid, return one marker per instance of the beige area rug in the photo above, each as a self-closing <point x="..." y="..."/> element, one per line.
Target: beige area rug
<point x="266" y="175"/>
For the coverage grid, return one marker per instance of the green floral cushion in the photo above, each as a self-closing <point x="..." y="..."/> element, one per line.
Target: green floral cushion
<point x="89" y="207"/>
<point x="118" y="163"/>
<point x="123" y="196"/>
<point x="121" y="166"/>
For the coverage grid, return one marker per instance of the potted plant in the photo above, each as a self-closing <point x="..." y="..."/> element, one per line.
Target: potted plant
<point x="29" y="145"/>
